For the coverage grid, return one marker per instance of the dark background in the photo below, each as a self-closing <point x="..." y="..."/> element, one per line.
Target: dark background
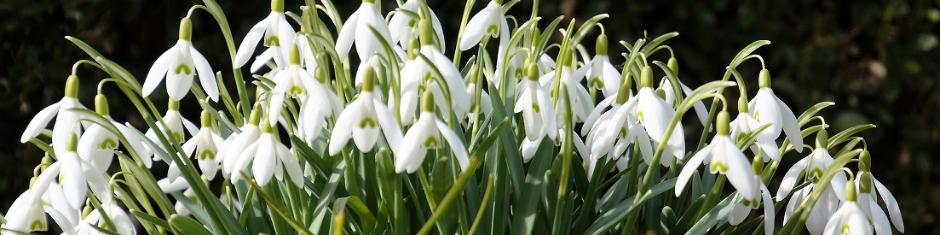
<point x="878" y="60"/>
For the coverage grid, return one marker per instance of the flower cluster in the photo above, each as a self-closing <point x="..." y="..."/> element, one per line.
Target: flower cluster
<point x="398" y="133"/>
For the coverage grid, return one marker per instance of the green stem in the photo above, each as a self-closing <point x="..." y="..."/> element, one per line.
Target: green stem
<point x="450" y="196"/>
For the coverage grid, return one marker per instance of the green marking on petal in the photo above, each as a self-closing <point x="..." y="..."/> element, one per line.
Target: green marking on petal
<point x="107" y="144"/>
<point x="814" y="175"/>
<point x="536" y="107"/>
<point x="493" y="30"/>
<point x="37" y="225"/>
<point x="295" y="90"/>
<point x="430" y="143"/>
<point x="596" y="82"/>
<point x="183" y="68"/>
<point x="718" y="167"/>
<point x="205" y="154"/>
<point x="845" y="229"/>
<point x="639" y="116"/>
<point x="368" y="123"/>
<point x="272" y="41"/>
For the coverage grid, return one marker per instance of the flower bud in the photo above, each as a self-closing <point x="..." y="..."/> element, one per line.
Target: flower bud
<point x="413" y="47"/>
<point x="673" y="65"/>
<point x="173" y="105"/>
<point x="864" y="182"/>
<point x="277" y="6"/>
<point x="763" y="80"/>
<point x="758" y="163"/>
<point x="294" y="54"/>
<point x="186" y="29"/>
<point x="71" y="86"/>
<point x="320" y="75"/>
<point x="742" y="104"/>
<point x="864" y="161"/>
<point x="722" y="123"/>
<point x="532" y="72"/>
<point x="72" y="143"/>
<point x="426" y="32"/>
<point x="850" y="192"/>
<point x="255" y="117"/>
<point x="601" y="45"/>
<point x="101" y="105"/>
<point x="205" y="118"/>
<point x="646" y="77"/>
<point x="369" y="83"/>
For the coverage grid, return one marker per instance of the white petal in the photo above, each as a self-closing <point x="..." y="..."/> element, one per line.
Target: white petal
<point x="206" y="76"/>
<point x="476" y="28"/>
<point x="893" y="209"/>
<point x="769" y="215"/>
<point x="39" y="122"/>
<point x="264" y="163"/>
<point x="247" y="47"/>
<point x="291" y="165"/>
<point x="390" y="127"/>
<point x="73" y="180"/>
<point x="346" y="35"/>
<point x="690" y="167"/>
<point x="740" y="174"/>
<point x="456" y="145"/>
<point x="342" y="130"/>
<point x="738" y="213"/>
<point x="158" y="71"/>
<point x="790" y="126"/>
<point x="789" y="179"/>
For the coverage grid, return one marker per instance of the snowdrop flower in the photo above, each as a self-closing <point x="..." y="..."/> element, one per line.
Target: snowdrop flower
<point x="362" y="119"/>
<point x="768" y="109"/>
<point x="97" y="145"/>
<point x="424" y="135"/>
<point x="723" y="156"/>
<point x="358" y="29"/>
<point x="700" y="111"/>
<point x="655" y="114"/>
<point x="602" y="75"/>
<point x="581" y="101"/>
<point x="276" y="32"/>
<point x="268" y="158"/>
<point x="418" y="70"/>
<point x="175" y="124"/>
<point x="292" y="81"/>
<point x="745" y="123"/>
<point x="402" y="25"/>
<point x="616" y="129"/>
<point x="178" y="65"/>
<point x="26" y="214"/>
<point x="538" y="115"/>
<point x="868" y="199"/>
<point x="741" y="207"/>
<point x="321" y="103"/>
<point x="204" y="146"/>
<point x="238" y="143"/>
<point x="849" y="219"/>
<point x="481" y="102"/>
<point x="66" y="122"/>
<point x="489" y="21"/>
<point x="812" y="167"/>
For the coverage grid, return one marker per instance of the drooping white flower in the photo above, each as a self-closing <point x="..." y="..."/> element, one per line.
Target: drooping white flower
<point x="538" y="114"/>
<point x="320" y="104"/>
<point x="602" y="75"/>
<point x="740" y="207"/>
<point x="358" y="29"/>
<point x="178" y="65"/>
<point x="97" y="145"/>
<point x="268" y="158"/>
<point x="849" y="219"/>
<point x="424" y="65"/>
<point x="768" y="109"/>
<point x="489" y="21"/>
<point x="745" y="123"/>
<point x="276" y="32"/>
<point x="204" y="146"/>
<point x="237" y="143"/>
<point x="362" y="120"/>
<point x="812" y="167"/>
<point x="611" y="132"/>
<point x="869" y="190"/>
<point x="26" y="214"/>
<point x="176" y="128"/>
<point x="723" y="156"/>
<point x="424" y="135"/>
<point x="116" y="215"/>
<point x="403" y="25"/>
<point x="655" y="114"/>
<point x="291" y="81"/>
<point x="66" y="122"/>
<point x="578" y="96"/>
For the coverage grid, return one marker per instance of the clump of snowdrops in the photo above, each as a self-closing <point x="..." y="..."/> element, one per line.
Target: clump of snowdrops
<point x="521" y="131"/>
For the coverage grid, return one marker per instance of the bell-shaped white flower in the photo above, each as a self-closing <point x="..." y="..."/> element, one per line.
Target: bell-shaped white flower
<point x="602" y="75"/>
<point x="268" y="158"/>
<point x="849" y="219"/>
<point x="578" y="96"/>
<point x="97" y="145"/>
<point x="237" y="143"/>
<point x="362" y="120"/>
<point x="176" y="128"/>
<point x="426" y="134"/>
<point x="723" y="156"/>
<point x="740" y="207"/>
<point x="489" y="21"/>
<point x="276" y="32"/>
<point x="422" y="66"/>
<point x="655" y="114"/>
<point x="768" y="109"/>
<point x="65" y="216"/>
<point x="402" y="26"/>
<point x="321" y="103"/>
<point x="358" y="29"/>
<point x="292" y="81"/>
<point x="745" y="123"/>
<point x="611" y="132"/>
<point x="26" y="214"/>
<point x="116" y="215"/>
<point x="66" y="122"/>
<point x="869" y="190"/>
<point x="538" y="114"/>
<point x="178" y="65"/>
<point x="812" y="167"/>
<point x="204" y="146"/>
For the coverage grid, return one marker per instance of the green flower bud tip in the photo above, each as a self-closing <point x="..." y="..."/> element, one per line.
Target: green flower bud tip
<point x="369" y="83"/>
<point x="427" y="101"/>
<point x="173" y="105"/>
<point x="764" y="78"/>
<point x="71" y="86"/>
<point x="625" y="87"/>
<point x="277" y="5"/>
<point x="72" y="143"/>
<point x="646" y="77"/>
<point x="205" y="118"/>
<point x="601" y="45"/>
<point x="864" y="182"/>
<point x="532" y="72"/>
<point x="294" y="54"/>
<point x="255" y="116"/>
<point x="673" y="65"/>
<point x="822" y="138"/>
<point x="186" y="29"/>
<point x="742" y="104"/>
<point x="850" y="192"/>
<point x="864" y="161"/>
<point x="722" y="123"/>
<point x="426" y="32"/>
<point x="101" y="105"/>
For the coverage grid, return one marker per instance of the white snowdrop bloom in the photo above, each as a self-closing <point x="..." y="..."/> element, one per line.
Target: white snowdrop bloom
<point x="849" y="219"/>
<point x="538" y="114"/>
<point x="362" y="120"/>
<point x="204" y="146"/>
<point x="321" y="103"/>
<point x="655" y="114"/>
<point x="178" y="65"/>
<point x="426" y="134"/>
<point x="812" y="167"/>
<point x="403" y="25"/>
<point x="612" y="132"/>
<point x="176" y="128"/>
<point x="307" y="57"/>
<point x="768" y="109"/>
<point x="484" y="104"/>
<point x="420" y="69"/>
<point x="276" y="32"/>
<point x="66" y="122"/>
<point x="869" y="190"/>
<point x="117" y="216"/>
<point x="26" y="214"/>
<point x="65" y="216"/>
<point x="292" y="81"/>
<point x="700" y="111"/>
<point x="723" y="156"/>
<point x="745" y="123"/>
<point x="578" y="96"/>
<point x="97" y="145"/>
<point x="239" y="142"/>
<point x="740" y="207"/>
<point x="358" y="29"/>
<point x="602" y="75"/>
<point x="139" y="143"/>
<point x="489" y="21"/>
<point x="268" y="158"/>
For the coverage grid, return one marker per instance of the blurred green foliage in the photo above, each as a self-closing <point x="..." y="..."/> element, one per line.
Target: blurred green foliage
<point x="878" y="60"/>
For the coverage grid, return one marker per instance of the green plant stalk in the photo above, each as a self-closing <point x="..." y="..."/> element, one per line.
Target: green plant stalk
<point x="485" y="201"/>
<point x="566" y="151"/>
<point x="463" y="25"/>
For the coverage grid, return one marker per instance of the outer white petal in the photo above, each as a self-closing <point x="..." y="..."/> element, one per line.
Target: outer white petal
<point x="289" y="161"/>
<point x="265" y="162"/>
<point x="548" y="114"/>
<point x="477" y="27"/>
<point x="789" y="179"/>
<point x="158" y="71"/>
<point x="740" y="174"/>
<point x="893" y="209"/>
<point x="40" y="121"/>
<point x="769" y="212"/>
<point x="342" y="130"/>
<point x="247" y="47"/>
<point x="410" y="154"/>
<point x="595" y="113"/>
<point x="346" y="35"/>
<point x="690" y="167"/>
<point x="390" y="127"/>
<point x="206" y="76"/>
<point x="73" y="180"/>
<point x="790" y="126"/>
<point x="738" y="213"/>
<point x="879" y="219"/>
<point x="456" y="145"/>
